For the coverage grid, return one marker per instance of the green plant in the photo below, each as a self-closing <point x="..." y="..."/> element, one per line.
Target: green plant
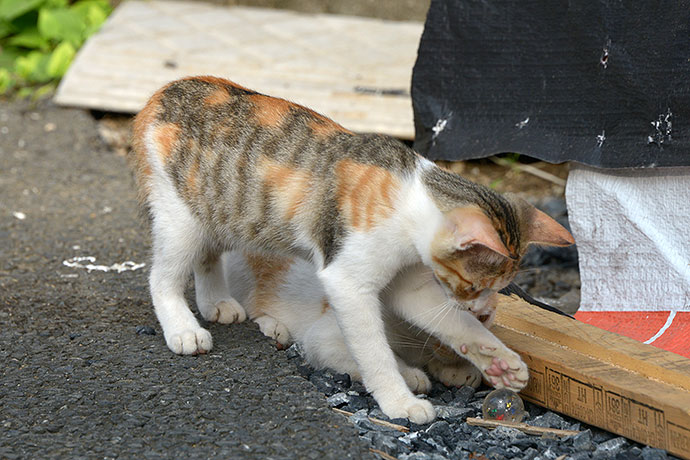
<point x="39" y="39"/>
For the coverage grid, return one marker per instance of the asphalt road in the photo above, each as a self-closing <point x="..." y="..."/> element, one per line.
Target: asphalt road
<point x="77" y="380"/>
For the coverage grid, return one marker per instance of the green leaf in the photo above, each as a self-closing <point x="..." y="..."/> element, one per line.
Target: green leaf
<point x="33" y="67"/>
<point x="6" y="81"/>
<point x="61" y="59"/>
<point x="61" y="24"/>
<point x="25" y="92"/>
<point x="29" y="39"/>
<point x="93" y="13"/>
<point x="6" y="28"/>
<point x="57" y="3"/>
<point x="8" y="56"/>
<point x="25" y="21"/>
<point x="10" y="9"/>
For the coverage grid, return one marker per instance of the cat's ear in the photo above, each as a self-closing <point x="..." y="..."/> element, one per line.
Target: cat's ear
<point x="472" y="227"/>
<point x="545" y="230"/>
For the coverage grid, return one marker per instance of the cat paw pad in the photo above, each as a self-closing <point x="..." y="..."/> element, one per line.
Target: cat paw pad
<point x="225" y="312"/>
<point x="190" y="341"/>
<point x="270" y="327"/>
<point x="502" y="367"/>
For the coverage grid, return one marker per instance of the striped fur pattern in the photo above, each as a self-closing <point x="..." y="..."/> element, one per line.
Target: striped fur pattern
<point x="222" y="167"/>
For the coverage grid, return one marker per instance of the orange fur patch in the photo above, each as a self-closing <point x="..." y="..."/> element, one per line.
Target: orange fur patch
<point x="365" y="193"/>
<point x="269" y="273"/>
<point x="289" y="185"/>
<point x="166" y="136"/>
<point x="325" y="127"/>
<point x="325" y="306"/>
<point x="217" y="97"/>
<point x="269" y="111"/>
<point x="192" y="185"/>
<point x="138" y="158"/>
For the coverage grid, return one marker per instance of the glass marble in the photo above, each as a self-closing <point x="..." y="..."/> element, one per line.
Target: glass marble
<point x="503" y="404"/>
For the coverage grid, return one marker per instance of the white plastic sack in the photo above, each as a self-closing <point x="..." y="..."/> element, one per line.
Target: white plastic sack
<point x="632" y="229"/>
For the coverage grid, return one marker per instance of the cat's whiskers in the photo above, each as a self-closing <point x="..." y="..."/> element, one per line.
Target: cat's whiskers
<point x="443" y="311"/>
<point x="447" y="309"/>
<point x="427" y="311"/>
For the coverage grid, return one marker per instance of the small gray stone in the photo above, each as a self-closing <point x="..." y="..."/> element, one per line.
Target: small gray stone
<point x="385" y="443"/>
<point x="462" y="395"/>
<point x="549" y="454"/>
<point x="496" y="453"/>
<point x="549" y="420"/>
<point x="651" y="453"/>
<point x="144" y="330"/>
<point x="358" y="402"/>
<point x="583" y="441"/>
<point x="422" y="456"/>
<point x="612" y="446"/>
<point x="338" y="400"/>
<point x="453" y="412"/>
<point x="530" y="454"/>
<point x="505" y="433"/>
<point x="440" y="429"/>
<point x="361" y="420"/>
<point x="636" y="451"/>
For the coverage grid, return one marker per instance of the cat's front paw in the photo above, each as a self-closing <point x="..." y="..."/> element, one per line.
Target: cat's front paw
<point x="502" y="367"/>
<point x="416" y="379"/>
<point x="189" y="341"/>
<point x="275" y="330"/>
<point x="457" y="374"/>
<point x="415" y="409"/>
<point x="225" y="312"/>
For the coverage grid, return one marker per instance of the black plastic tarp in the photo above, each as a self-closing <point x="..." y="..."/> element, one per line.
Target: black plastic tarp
<point x="605" y="83"/>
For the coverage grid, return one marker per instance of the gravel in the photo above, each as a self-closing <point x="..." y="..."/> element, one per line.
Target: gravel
<point x="449" y="437"/>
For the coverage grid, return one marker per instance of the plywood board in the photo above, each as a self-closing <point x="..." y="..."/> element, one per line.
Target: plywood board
<point x="354" y="70"/>
<point x="602" y="378"/>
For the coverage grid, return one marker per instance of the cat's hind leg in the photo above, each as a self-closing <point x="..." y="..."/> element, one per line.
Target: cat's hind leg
<point x="213" y="297"/>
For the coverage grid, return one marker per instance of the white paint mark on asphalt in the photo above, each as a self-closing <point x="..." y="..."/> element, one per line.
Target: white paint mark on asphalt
<point x="77" y="262"/>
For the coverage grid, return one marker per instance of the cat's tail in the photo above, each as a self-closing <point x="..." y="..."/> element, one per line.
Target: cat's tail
<point x="513" y="288"/>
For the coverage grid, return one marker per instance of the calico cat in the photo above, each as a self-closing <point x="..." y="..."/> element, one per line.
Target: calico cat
<point x="288" y="303"/>
<point x="221" y="166"/>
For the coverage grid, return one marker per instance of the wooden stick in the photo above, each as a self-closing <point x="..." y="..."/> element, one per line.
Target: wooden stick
<point x="529" y="169"/>
<point x="529" y="429"/>
<point x="394" y="426"/>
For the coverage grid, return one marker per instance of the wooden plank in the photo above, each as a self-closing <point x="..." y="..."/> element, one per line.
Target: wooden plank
<point x="354" y="70"/>
<point x="604" y="379"/>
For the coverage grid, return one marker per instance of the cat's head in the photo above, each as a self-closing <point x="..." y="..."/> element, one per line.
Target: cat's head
<point x="476" y="253"/>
